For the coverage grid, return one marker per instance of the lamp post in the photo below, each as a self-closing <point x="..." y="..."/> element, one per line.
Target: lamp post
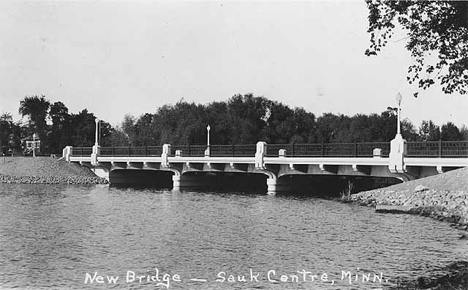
<point x="207" y="151"/>
<point x="97" y="133"/>
<point x="34" y="144"/>
<point x="398" y="99"/>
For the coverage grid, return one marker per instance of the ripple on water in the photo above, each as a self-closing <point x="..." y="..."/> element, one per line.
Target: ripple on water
<point x="51" y="236"/>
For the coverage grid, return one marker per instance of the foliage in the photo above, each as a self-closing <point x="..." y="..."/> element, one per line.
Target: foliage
<point x="450" y="132"/>
<point x="61" y="130"/>
<point x="243" y="119"/>
<point x="428" y="131"/>
<point x="65" y="128"/>
<point x="10" y="133"/>
<point x="246" y="119"/>
<point x="439" y="27"/>
<point x="36" y="108"/>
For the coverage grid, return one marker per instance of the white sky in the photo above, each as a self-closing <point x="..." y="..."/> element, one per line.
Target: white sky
<point x="118" y="57"/>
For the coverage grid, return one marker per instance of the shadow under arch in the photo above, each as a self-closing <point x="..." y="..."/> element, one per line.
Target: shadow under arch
<point x="157" y="178"/>
<point x="225" y="181"/>
<point x="330" y="186"/>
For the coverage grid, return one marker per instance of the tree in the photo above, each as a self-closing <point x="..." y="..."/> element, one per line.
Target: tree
<point x="117" y="137"/>
<point x="105" y="133"/>
<point x="450" y="132"/>
<point x="333" y="128"/>
<point x="128" y="129"/>
<point x="5" y="130"/>
<point x="142" y="129"/>
<point x="464" y="133"/>
<point x="216" y="114"/>
<point x="61" y="131"/>
<point x="36" y="108"/>
<point x="10" y="134"/>
<point x="408" y="131"/>
<point x="279" y="124"/>
<point x="304" y="126"/>
<point x="428" y="131"/>
<point x="248" y="116"/>
<point x="84" y="128"/>
<point x="360" y="129"/>
<point x="433" y="26"/>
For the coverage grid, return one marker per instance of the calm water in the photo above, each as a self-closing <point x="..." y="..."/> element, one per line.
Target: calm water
<point x="58" y="237"/>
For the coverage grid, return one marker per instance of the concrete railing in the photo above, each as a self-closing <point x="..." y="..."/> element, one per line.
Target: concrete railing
<point x="446" y="149"/>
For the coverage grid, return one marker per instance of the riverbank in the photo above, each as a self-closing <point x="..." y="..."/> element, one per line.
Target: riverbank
<point x="443" y="197"/>
<point x="45" y="170"/>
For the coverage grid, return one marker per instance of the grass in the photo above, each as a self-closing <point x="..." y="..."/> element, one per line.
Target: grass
<point x="345" y="194"/>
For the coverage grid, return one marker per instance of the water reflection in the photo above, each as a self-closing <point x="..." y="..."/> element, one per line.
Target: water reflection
<point x="53" y="236"/>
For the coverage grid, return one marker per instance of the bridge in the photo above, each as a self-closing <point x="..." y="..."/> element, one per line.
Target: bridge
<point x="198" y="165"/>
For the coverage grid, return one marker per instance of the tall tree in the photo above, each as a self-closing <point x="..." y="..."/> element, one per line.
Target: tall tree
<point x="428" y="131"/>
<point x="6" y="121"/>
<point x="36" y="108"/>
<point x="128" y="128"/>
<point x="61" y="131"/>
<point x="248" y="116"/>
<point x="217" y="115"/>
<point x="84" y="128"/>
<point x="10" y="134"/>
<point x="142" y="130"/>
<point x="408" y="130"/>
<point x="450" y="132"/>
<point x="464" y="133"/>
<point x="333" y="128"/>
<point x="437" y="39"/>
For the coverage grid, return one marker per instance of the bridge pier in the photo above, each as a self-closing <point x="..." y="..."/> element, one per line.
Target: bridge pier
<point x="101" y="171"/>
<point x="274" y="186"/>
<point x="192" y="181"/>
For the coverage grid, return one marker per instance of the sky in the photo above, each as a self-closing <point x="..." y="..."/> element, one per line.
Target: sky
<point x="132" y="57"/>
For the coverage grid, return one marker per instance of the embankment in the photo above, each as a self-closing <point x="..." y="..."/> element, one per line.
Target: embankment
<point x="45" y="170"/>
<point x="443" y="197"/>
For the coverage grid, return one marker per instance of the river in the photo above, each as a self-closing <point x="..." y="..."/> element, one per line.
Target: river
<point x="101" y="237"/>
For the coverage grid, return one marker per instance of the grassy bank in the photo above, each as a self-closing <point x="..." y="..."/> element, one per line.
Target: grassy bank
<point x="45" y="170"/>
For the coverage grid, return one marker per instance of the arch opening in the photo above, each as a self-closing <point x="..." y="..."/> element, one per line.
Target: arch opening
<point x="153" y="178"/>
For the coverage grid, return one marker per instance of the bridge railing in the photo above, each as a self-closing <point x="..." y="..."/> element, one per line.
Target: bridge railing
<point x="189" y="150"/>
<point x="427" y="149"/>
<point x="438" y="149"/>
<point x="329" y="149"/>
<point x="215" y="150"/>
<point x="82" y="151"/>
<point x="131" y="151"/>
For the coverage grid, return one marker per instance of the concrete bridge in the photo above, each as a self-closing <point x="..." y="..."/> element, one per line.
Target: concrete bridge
<point x="196" y="165"/>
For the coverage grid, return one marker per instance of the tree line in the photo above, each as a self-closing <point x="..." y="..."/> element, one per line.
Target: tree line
<point x="52" y="124"/>
<point x="242" y="119"/>
<point x="246" y="119"/>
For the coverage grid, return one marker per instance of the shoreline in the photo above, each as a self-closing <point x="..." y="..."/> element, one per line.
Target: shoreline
<point x="75" y="180"/>
<point x="443" y="197"/>
<point x="45" y="170"/>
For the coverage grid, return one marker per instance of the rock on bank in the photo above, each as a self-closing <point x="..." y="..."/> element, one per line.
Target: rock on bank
<point x="45" y="170"/>
<point x="443" y="196"/>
